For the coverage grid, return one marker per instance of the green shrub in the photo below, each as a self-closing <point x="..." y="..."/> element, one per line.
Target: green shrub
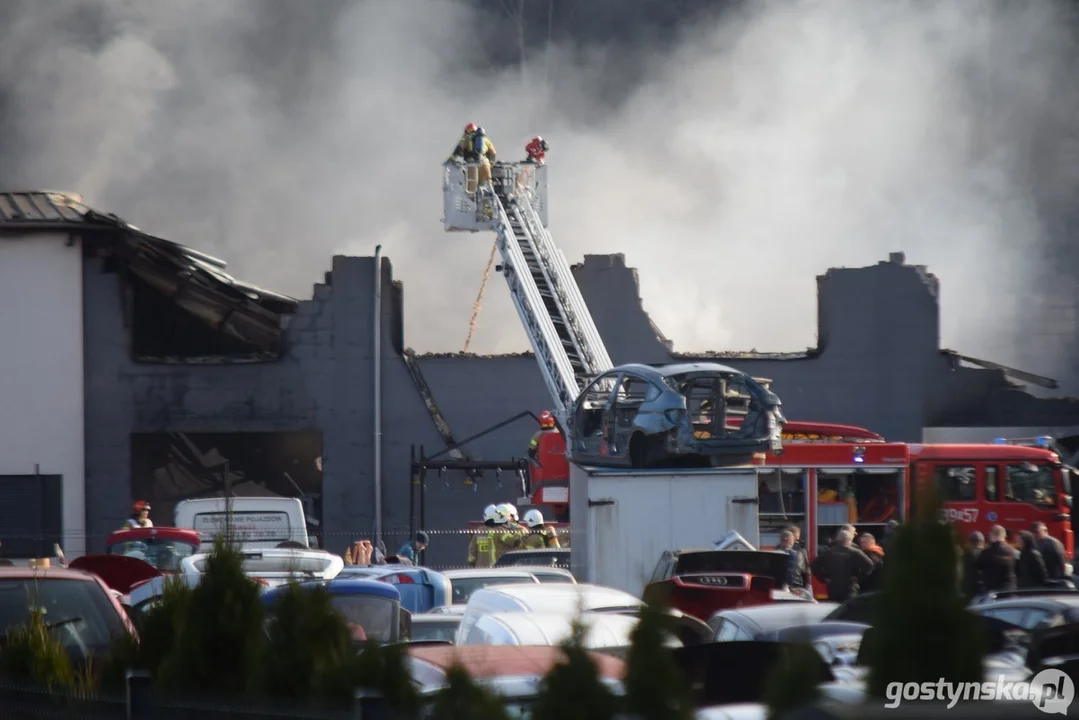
<point x="794" y="682"/>
<point x="923" y="630"/>
<point x="464" y="698"/>
<point x="309" y="654"/>
<point x="220" y="639"/>
<point x="383" y="668"/>
<point x="656" y="689"/>
<point x="32" y="654"/>
<point x="572" y="689"/>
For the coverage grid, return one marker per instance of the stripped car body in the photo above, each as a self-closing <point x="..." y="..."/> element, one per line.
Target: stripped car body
<point x="695" y="413"/>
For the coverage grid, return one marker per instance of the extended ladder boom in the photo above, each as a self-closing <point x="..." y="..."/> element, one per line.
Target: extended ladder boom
<point x="560" y="328"/>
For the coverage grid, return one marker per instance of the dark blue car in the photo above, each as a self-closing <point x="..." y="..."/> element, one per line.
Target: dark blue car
<point x="371" y="608"/>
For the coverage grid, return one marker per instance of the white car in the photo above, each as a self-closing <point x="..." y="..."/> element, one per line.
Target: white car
<point x="277" y="566"/>
<point x="604" y="630"/>
<point x="559" y="598"/>
<point x="465" y="581"/>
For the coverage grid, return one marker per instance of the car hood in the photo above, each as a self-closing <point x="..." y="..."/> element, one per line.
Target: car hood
<point x="119" y="572"/>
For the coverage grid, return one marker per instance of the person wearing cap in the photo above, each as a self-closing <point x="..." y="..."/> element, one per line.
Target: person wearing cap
<point x="140" y="516"/>
<point x="411" y="550"/>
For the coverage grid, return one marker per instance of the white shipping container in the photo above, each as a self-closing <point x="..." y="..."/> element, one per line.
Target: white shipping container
<point x="622" y="520"/>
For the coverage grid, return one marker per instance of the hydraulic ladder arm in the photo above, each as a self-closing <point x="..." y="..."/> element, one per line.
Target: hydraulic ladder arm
<point x="560" y="328"/>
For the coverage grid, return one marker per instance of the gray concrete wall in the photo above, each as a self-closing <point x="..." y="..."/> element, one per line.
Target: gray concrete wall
<point x="877" y="365"/>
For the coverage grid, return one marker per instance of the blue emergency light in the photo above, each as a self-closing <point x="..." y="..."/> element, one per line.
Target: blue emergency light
<point x="1000" y="441"/>
<point x="1044" y="441"/>
<point x="859" y="454"/>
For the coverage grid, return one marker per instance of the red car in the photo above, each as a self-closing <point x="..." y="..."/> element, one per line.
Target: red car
<point x="701" y="582"/>
<point x="79" y="609"/>
<point x="136" y="555"/>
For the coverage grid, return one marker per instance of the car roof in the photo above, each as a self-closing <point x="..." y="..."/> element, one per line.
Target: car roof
<point x="485" y="572"/>
<point x="662" y="371"/>
<point x="559" y="596"/>
<point x="488" y="661"/>
<point x="343" y="586"/>
<point x="51" y="573"/>
<point x="1046" y="602"/>
<point x="768" y="618"/>
<point x="542" y="570"/>
<point x="551" y="628"/>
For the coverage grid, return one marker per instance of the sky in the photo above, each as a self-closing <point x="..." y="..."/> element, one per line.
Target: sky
<point x="740" y="157"/>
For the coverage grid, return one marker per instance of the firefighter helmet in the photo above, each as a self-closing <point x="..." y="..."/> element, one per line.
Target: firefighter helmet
<point x="508" y="512"/>
<point x="533" y="519"/>
<point x="470" y="128"/>
<point x="139" y="506"/>
<point x="491" y="513"/>
<point x="546" y="420"/>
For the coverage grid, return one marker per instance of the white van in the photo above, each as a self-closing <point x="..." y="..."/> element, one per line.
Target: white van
<point x="605" y="630"/>
<point x="563" y="599"/>
<point x="255" y="522"/>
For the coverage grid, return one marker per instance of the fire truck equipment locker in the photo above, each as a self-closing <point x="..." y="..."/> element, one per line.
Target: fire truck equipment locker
<point x="634" y="515"/>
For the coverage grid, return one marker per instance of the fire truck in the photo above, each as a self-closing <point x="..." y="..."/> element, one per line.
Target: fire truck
<point x="830" y="475"/>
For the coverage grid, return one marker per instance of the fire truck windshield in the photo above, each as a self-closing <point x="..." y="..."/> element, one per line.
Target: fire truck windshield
<point x="1028" y="483"/>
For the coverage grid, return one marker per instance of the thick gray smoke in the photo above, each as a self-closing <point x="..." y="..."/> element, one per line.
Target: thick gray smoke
<point x="762" y="148"/>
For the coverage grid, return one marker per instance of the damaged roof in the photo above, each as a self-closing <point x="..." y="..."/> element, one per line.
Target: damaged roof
<point x="195" y="281"/>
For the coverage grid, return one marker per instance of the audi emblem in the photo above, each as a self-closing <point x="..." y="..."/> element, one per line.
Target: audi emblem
<point x="711" y="580"/>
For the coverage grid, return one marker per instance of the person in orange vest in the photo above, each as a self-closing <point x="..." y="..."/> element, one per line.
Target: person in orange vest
<point x="547" y="424"/>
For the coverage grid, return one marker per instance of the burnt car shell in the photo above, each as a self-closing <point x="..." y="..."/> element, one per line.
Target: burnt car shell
<point x="701" y="582"/>
<point x="657" y="416"/>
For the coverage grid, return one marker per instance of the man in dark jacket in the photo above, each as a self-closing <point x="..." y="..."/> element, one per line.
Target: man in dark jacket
<point x="797" y="568"/>
<point x="842" y="567"/>
<point x="996" y="563"/>
<point x="796" y="533"/>
<point x="972" y="580"/>
<point x="1052" y="551"/>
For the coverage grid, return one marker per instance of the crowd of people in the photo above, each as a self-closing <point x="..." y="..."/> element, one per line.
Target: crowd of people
<point x="1039" y="561"/>
<point x="845" y="567"/>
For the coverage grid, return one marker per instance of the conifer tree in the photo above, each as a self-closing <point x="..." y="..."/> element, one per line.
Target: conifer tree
<point x="572" y="689"/>
<point x="923" y="631"/>
<point x="656" y="688"/>
<point x="464" y="698"/>
<point x="794" y="682"/>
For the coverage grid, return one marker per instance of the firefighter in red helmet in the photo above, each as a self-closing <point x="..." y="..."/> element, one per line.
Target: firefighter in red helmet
<point x="547" y="424"/>
<point x="140" y="516"/>
<point x="536" y="150"/>
<point x="464" y="145"/>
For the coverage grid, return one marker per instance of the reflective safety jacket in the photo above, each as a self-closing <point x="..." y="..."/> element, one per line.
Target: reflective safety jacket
<point x="540" y="538"/>
<point x="492" y="543"/>
<point x="464" y="146"/>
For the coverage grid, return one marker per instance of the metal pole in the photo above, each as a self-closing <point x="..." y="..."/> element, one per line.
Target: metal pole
<point x="377" y="345"/>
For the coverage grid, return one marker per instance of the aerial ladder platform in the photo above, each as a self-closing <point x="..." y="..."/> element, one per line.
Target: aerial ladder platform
<point x="560" y="328"/>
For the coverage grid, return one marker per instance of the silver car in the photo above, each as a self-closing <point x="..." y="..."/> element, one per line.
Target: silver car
<point x="695" y="414"/>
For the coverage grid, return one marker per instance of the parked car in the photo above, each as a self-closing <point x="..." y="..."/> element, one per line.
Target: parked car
<point x="162" y="547"/>
<point x="465" y="581"/>
<point x="547" y="574"/>
<point x="371" y="608"/>
<point x="755" y="623"/>
<point x="545" y="597"/>
<point x="434" y="627"/>
<point x="701" y="582"/>
<point x="513" y="672"/>
<point x="277" y="566"/>
<point x="605" y="630"/>
<point x="79" y="609"/>
<point x="644" y="416"/>
<point x="553" y="557"/>
<point x="1033" y="612"/>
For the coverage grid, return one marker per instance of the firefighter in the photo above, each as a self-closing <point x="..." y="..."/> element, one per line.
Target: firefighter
<point x="539" y="535"/>
<point x="464" y="145"/>
<point x="482" y="151"/>
<point x="547" y="424"/>
<point x="481" y="549"/>
<point x="512" y="533"/>
<point x="140" y="516"/>
<point x="536" y="150"/>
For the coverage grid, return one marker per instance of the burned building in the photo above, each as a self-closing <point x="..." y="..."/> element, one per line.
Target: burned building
<point x="135" y="368"/>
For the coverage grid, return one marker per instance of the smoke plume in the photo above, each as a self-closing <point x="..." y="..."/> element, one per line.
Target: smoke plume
<point x="732" y="164"/>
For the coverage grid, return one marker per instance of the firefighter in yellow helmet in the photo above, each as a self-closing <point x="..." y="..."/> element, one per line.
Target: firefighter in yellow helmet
<point x="481" y="549"/>
<point x="539" y="535"/>
<point x="482" y="152"/>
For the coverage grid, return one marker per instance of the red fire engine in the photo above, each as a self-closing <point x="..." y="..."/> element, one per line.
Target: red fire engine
<point x="850" y="475"/>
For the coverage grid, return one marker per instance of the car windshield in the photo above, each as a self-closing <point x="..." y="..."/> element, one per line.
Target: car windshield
<point x="371" y="614"/>
<point x="443" y="630"/>
<point x="80" y="612"/>
<point x="550" y="577"/>
<point x="1030" y="483"/>
<point x="161" y="553"/>
<point x="540" y="559"/>
<point x="464" y="587"/>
